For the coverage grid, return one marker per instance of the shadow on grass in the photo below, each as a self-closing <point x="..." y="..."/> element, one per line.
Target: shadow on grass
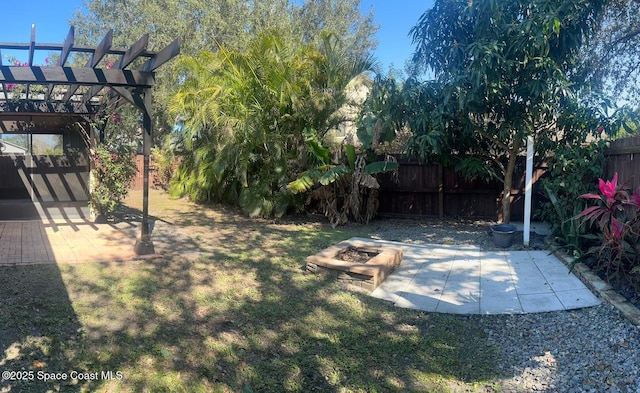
<point x="38" y="328"/>
<point x="246" y="317"/>
<point x="241" y="317"/>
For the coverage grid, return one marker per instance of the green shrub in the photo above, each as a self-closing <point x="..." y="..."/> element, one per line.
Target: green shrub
<point x="164" y="164"/>
<point x="572" y="171"/>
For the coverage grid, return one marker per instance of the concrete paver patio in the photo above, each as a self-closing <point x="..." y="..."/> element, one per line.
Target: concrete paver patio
<point x="467" y="280"/>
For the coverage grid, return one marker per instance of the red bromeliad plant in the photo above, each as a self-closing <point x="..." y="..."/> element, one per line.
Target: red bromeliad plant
<point x="617" y="217"/>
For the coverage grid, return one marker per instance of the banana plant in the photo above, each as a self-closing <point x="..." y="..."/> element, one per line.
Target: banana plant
<point x="346" y="188"/>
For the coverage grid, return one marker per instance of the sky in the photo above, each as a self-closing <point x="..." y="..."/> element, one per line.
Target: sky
<point x="51" y="17"/>
<point x="395" y="19"/>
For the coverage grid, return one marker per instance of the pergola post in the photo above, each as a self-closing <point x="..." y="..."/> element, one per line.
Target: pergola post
<point x="144" y="245"/>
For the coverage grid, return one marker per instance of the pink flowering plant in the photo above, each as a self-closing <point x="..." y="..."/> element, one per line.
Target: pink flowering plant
<point x="616" y="217"/>
<point x="113" y="171"/>
<point x="114" y="168"/>
<point x="15" y="88"/>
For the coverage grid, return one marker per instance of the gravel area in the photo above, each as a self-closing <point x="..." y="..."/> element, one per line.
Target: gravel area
<point x="589" y="350"/>
<point x="447" y="231"/>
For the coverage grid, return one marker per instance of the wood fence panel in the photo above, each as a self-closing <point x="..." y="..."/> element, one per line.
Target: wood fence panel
<point x="138" y="181"/>
<point x="411" y="192"/>
<point x="472" y="204"/>
<point x="469" y="198"/>
<point x="431" y="190"/>
<point x="402" y="203"/>
<point x="623" y="157"/>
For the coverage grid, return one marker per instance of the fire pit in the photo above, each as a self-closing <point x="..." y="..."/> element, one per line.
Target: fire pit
<point x="357" y="262"/>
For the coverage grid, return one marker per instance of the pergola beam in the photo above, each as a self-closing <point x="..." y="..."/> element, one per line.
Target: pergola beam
<point x="32" y="44"/>
<point x="126" y="94"/>
<point x="133" y="86"/>
<point x="74" y="48"/>
<point x="166" y="54"/>
<point x="134" y="52"/>
<point x="76" y="76"/>
<point x="46" y="107"/>
<point x="67" y="47"/>
<point x="4" y="85"/>
<point x="144" y="245"/>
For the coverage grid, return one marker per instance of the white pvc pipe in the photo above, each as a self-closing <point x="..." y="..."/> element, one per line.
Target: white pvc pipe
<point x="527" y="191"/>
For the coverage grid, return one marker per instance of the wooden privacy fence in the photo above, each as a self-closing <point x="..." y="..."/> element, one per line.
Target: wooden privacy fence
<point x="623" y="157"/>
<point x="432" y="190"/>
<point x="138" y="181"/>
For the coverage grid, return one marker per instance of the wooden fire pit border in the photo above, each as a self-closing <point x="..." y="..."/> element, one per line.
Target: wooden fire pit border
<point x="367" y="275"/>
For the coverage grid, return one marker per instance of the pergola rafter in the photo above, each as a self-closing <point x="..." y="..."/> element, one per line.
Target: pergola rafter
<point x="87" y="91"/>
<point x="96" y="57"/>
<point x="64" y="55"/>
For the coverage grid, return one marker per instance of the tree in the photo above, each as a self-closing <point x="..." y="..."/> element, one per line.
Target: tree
<point x="210" y="24"/>
<point x="611" y="62"/>
<point x="503" y="67"/>
<point x="245" y="112"/>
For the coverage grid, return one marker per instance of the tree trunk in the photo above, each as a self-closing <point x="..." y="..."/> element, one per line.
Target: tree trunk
<point x="508" y="181"/>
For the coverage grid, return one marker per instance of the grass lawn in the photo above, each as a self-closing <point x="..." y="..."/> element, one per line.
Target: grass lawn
<point x="243" y="318"/>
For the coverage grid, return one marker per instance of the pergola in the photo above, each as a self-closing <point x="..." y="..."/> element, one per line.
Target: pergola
<point x="62" y="89"/>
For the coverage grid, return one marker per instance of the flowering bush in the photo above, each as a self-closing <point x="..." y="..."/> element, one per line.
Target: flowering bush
<point x="113" y="173"/>
<point x="617" y="218"/>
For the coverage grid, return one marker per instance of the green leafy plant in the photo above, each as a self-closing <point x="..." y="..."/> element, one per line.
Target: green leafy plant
<point x="384" y="108"/>
<point x="503" y="70"/>
<point x="571" y="169"/>
<point x="244" y="112"/>
<point x="164" y="165"/>
<point x="345" y="188"/>
<point x="616" y="215"/>
<point x="569" y="234"/>
<point x="113" y="173"/>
